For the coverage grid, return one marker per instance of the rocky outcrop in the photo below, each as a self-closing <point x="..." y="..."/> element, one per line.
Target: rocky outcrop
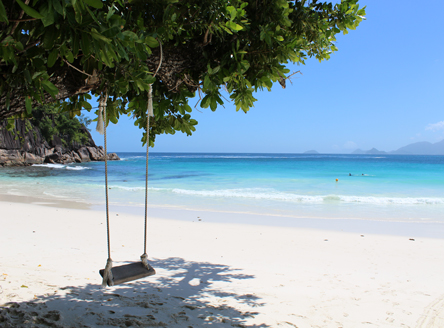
<point x="25" y="145"/>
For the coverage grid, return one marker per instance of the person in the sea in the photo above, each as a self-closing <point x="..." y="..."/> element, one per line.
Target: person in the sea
<point x="349" y="174"/>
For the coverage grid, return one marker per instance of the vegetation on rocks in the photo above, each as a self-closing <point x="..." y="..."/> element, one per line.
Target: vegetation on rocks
<point x="52" y="123"/>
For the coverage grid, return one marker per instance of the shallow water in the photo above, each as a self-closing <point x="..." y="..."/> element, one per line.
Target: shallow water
<point x="380" y="187"/>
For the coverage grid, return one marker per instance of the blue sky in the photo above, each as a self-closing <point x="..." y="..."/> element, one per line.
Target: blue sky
<point x="384" y="88"/>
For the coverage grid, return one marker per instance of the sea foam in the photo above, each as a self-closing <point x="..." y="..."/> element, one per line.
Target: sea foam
<point x="62" y="166"/>
<point x="51" y="166"/>
<point x="273" y="195"/>
<point x="77" y="168"/>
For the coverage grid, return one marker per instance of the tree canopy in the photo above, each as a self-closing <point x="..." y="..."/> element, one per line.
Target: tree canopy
<point x="65" y="50"/>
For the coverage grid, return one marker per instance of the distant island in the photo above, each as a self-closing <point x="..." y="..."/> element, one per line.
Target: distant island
<point x="372" y="151"/>
<point x="417" y="148"/>
<point x="311" y="152"/>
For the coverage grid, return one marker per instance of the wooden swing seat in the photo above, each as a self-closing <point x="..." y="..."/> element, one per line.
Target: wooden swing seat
<point x="129" y="272"/>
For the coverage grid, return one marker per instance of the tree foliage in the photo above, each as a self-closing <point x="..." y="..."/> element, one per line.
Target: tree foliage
<point x="65" y="50"/>
<point x="52" y="123"/>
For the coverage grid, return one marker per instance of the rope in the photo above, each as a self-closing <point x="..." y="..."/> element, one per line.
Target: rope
<point x="107" y="274"/>
<point x="150" y="112"/>
<point x="146" y="175"/>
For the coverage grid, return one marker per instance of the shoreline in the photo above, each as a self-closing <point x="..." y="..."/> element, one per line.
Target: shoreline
<point x="413" y="229"/>
<point x="211" y="273"/>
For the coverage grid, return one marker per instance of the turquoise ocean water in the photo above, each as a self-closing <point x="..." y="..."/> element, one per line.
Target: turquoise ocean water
<point x="381" y="187"/>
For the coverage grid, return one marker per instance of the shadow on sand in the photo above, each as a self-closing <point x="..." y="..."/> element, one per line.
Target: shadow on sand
<point x="182" y="294"/>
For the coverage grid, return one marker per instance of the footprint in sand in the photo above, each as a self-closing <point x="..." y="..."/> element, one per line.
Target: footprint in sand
<point x="286" y="324"/>
<point x="433" y="316"/>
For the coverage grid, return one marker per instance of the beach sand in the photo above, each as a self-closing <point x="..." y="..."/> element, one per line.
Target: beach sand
<point x="211" y="273"/>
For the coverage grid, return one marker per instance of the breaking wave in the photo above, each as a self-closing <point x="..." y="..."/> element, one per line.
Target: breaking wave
<point x="269" y="194"/>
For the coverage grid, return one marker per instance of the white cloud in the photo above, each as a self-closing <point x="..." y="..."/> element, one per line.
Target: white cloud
<point x="350" y="145"/>
<point x="435" y="126"/>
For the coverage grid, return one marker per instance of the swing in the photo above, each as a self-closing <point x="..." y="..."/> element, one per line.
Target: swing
<point x="136" y="270"/>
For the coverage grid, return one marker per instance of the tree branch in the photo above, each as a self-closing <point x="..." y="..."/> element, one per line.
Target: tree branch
<point x="20" y="17"/>
<point x="76" y="68"/>
<point x="23" y="20"/>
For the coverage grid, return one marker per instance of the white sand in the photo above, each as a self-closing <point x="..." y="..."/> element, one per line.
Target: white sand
<point x="211" y="274"/>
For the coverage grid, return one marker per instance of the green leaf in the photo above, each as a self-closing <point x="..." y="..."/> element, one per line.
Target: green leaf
<point x="151" y="42"/>
<point x="58" y="7"/>
<point x="69" y="56"/>
<point x="232" y="11"/>
<point x="96" y="35"/>
<point x="48" y="15"/>
<point x="3" y="16"/>
<point x="49" y="37"/>
<point x="227" y="30"/>
<point x="86" y="105"/>
<point x="141" y="85"/>
<point x="28" y="105"/>
<point x="37" y="74"/>
<point x="104" y="56"/>
<point x="131" y="36"/>
<point x="110" y="13"/>
<point x="78" y="11"/>
<point x="245" y="65"/>
<point x="205" y="101"/>
<point x="181" y="110"/>
<point x="113" y="119"/>
<point x="219" y="100"/>
<point x="150" y="79"/>
<point x="94" y="3"/>
<point x="92" y="15"/>
<point x="111" y="32"/>
<point x="282" y="3"/>
<point x="75" y="45"/>
<point x="207" y="82"/>
<point x="27" y="76"/>
<point x="31" y="12"/>
<point x="121" y="51"/>
<point x="85" y="43"/>
<point x="50" y="88"/>
<point x="213" y="104"/>
<point x="233" y="26"/>
<point x="19" y="46"/>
